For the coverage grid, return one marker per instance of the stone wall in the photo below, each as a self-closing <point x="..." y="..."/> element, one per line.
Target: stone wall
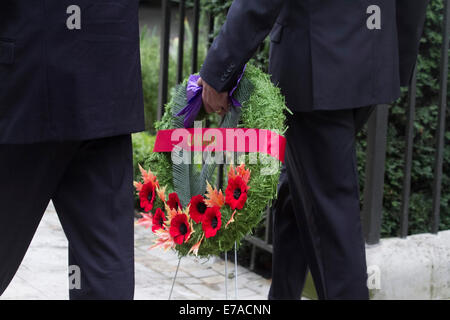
<point x="417" y="267"/>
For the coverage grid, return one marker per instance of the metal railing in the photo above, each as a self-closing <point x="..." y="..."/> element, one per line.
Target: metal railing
<point x="165" y="44"/>
<point x="376" y="133"/>
<point x="375" y="167"/>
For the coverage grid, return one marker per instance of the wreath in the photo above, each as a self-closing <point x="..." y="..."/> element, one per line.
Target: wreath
<point x="183" y="203"/>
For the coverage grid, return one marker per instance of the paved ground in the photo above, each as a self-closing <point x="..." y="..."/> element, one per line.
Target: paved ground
<point x="43" y="273"/>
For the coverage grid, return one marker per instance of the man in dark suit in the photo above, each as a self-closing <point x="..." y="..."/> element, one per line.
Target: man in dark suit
<point x="333" y="60"/>
<point x="70" y="96"/>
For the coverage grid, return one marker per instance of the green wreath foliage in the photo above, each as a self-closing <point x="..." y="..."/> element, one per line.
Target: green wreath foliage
<point x="263" y="107"/>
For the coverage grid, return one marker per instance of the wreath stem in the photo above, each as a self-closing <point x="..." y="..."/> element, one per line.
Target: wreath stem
<point x="235" y="272"/>
<point x="174" y="279"/>
<point x="226" y="275"/>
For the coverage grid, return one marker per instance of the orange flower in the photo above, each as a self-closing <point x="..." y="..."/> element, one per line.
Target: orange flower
<point x="244" y="174"/>
<point x="214" y="197"/>
<point x="138" y="186"/>
<point x="161" y="193"/>
<point x="196" y="246"/>
<point x="231" y="219"/>
<point x="148" y="176"/>
<point x="146" y="220"/>
<point x="164" y="240"/>
<point x="239" y="171"/>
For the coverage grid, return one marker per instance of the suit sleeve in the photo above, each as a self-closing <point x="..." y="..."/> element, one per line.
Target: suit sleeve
<point x="247" y="25"/>
<point x="410" y="22"/>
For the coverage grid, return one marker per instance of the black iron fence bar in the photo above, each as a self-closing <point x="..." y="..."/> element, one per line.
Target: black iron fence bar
<point x="375" y="167"/>
<point x="440" y="133"/>
<point x="410" y="115"/>
<point x="164" y="56"/>
<point x="265" y="244"/>
<point x="182" y="15"/>
<point x="195" y="36"/>
<point x="210" y="30"/>
<point x="268" y="225"/>
<point x="252" y="257"/>
<point x="259" y="243"/>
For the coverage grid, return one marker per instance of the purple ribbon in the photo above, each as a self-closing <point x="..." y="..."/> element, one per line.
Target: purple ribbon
<point x="194" y="97"/>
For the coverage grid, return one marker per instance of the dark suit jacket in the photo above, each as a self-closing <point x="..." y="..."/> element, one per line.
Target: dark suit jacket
<point x="61" y="84"/>
<point x="323" y="55"/>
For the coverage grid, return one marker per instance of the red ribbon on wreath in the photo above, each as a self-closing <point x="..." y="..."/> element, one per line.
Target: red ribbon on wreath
<point x="222" y="139"/>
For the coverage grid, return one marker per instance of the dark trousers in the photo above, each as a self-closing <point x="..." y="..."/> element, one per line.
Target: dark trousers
<point x="317" y="223"/>
<point x="90" y="184"/>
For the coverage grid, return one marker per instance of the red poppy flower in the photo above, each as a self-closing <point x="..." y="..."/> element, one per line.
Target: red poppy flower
<point x="158" y="220"/>
<point x="236" y="193"/>
<point x="174" y="202"/>
<point x="179" y="228"/>
<point x="147" y="196"/>
<point x="197" y="208"/>
<point x="212" y="221"/>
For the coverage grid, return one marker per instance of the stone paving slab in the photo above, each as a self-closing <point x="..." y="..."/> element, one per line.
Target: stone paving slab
<point x="43" y="273"/>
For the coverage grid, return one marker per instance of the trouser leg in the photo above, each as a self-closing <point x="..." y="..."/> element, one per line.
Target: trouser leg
<point x="95" y="204"/>
<point x="28" y="176"/>
<point x="289" y="257"/>
<point x="289" y="265"/>
<point x="323" y="181"/>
